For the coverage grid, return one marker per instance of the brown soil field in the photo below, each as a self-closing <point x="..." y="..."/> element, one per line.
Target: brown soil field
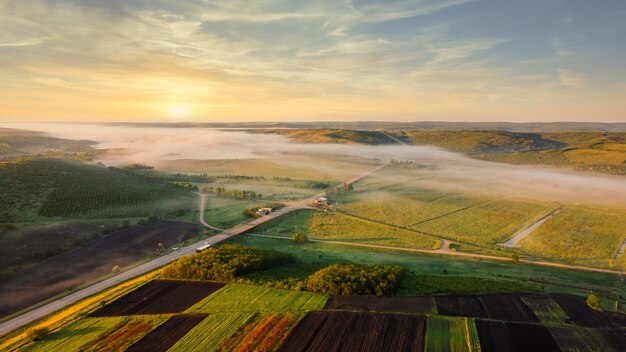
<point x="160" y="297"/>
<point x="357" y="331"/>
<point x="36" y="243"/>
<point x="391" y="304"/>
<point x="461" y="305"/>
<point x="268" y="334"/>
<point x="87" y="263"/>
<point x="507" y="307"/>
<point x="167" y="334"/>
<point x="514" y="337"/>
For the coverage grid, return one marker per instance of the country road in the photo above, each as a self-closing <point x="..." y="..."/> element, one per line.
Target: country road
<point x="47" y="309"/>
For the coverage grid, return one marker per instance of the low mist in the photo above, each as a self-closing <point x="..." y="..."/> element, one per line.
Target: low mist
<point x="442" y="170"/>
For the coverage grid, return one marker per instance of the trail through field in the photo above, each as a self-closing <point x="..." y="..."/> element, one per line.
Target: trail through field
<point x="515" y="239"/>
<point x="203" y="200"/>
<point x="393" y="138"/>
<point x="621" y="250"/>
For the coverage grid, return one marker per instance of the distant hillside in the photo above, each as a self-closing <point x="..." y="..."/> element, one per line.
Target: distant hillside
<point x="16" y="143"/>
<point x="331" y="136"/>
<point x="406" y="126"/>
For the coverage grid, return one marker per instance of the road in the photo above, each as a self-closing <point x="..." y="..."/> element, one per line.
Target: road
<point x="515" y="239"/>
<point x="47" y="309"/>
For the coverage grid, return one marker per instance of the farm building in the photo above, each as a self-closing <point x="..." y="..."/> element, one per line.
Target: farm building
<point x="263" y="211"/>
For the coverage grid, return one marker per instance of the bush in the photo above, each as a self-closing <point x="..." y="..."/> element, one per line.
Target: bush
<point x="224" y="263"/>
<point x="35" y="334"/>
<point x="299" y="237"/>
<point x="594" y="302"/>
<point x="352" y="279"/>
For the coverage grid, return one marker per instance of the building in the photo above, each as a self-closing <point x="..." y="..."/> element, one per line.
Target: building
<point x="263" y="211"/>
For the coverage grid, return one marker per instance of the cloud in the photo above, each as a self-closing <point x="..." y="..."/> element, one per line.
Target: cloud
<point x="571" y="79"/>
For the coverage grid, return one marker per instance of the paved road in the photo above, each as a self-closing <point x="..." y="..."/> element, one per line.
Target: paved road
<point x="154" y="264"/>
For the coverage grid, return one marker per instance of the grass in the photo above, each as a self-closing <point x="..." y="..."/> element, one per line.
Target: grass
<point x="581" y="235"/>
<point x="77" y="335"/>
<point x="432" y="285"/>
<point x="248" y="298"/>
<point x="487" y="223"/>
<point x="226" y="212"/>
<point x="322" y="254"/>
<point x="212" y="332"/>
<point x="337" y="227"/>
<point x="449" y="334"/>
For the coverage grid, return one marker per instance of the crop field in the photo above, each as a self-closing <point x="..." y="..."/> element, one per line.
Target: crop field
<point x="61" y="188"/>
<point x="124" y="334"/>
<point x="211" y="332"/>
<point x="450" y="334"/>
<point x="388" y="304"/>
<point x="545" y="309"/>
<point x="345" y="229"/>
<point x="77" y="335"/>
<point x="499" y="336"/>
<point x="350" y="331"/>
<point x="590" y="236"/>
<point x="337" y="227"/>
<point x="487" y="223"/>
<point x="248" y="298"/>
<point x="580" y="314"/>
<point x="167" y="334"/>
<point x="160" y="297"/>
<point x="269" y="334"/>
<point x="499" y="307"/>
<point x="403" y="207"/>
<point x="89" y="262"/>
<point x="577" y="339"/>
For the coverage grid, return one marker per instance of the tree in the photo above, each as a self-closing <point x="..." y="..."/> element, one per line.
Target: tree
<point x="299" y="237"/>
<point x="594" y="302"/>
<point x="515" y="258"/>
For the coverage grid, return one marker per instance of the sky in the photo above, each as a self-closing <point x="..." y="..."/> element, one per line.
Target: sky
<point x="229" y="60"/>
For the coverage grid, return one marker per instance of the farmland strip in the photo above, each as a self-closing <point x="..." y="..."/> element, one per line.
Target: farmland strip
<point x="167" y="334"/>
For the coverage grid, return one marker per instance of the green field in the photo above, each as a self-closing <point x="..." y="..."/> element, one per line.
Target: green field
<point x="211" y="333"/>
<point x="581" y="235"/>
<point x="313" y="255"/>
<point x="450" y="334"/>
<point x="227" y="212"/>
<point x="248" y="298"/>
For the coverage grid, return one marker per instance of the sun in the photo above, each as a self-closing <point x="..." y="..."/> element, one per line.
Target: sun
<point x="178" y="111"/>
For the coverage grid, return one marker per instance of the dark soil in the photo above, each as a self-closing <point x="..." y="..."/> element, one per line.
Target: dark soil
<point x="167" y="334"/>
<point x="461" y="305"/>
<point x="514" y="337"/>
<point x="352" y="331"/>
<point x="392" y="304"/>
<point x="160" y="297"/>
<point x="508" y="307"/>
<point x="87" y="263"/>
